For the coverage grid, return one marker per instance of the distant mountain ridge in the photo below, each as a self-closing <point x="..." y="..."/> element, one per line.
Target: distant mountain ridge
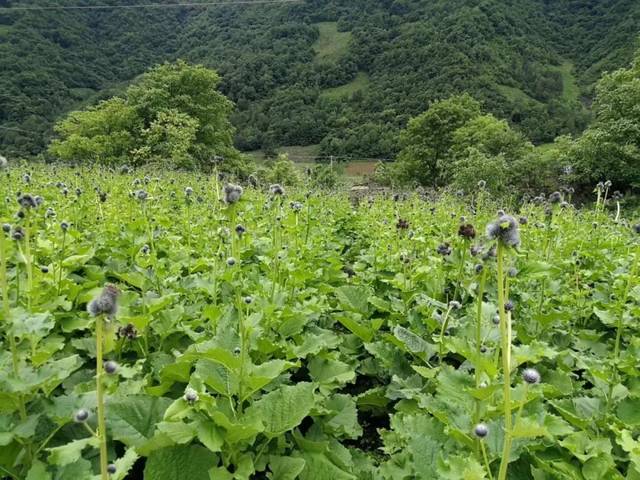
<point x="344" y="74"/>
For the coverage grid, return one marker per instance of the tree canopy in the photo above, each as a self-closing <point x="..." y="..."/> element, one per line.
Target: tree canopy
<point x="173" y="115"/>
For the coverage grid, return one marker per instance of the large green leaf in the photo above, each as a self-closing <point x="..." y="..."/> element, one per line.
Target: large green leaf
<point x="284" y="408"/>
<point x="189" y="462"/>
<point x="132" y="420"/>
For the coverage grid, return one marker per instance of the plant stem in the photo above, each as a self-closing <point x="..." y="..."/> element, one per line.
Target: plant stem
<point x="505" y="335"/>
<point x="486" y="459"/>
<point x="445" y="324"/>
<point x="102" y="428"/>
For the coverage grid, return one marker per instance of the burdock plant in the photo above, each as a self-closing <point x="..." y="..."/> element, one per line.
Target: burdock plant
<point x="103" y="308"/>
<point x="505" y="231"/>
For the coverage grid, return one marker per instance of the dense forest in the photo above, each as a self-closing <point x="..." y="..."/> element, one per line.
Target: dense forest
<point x="347" y="75"/>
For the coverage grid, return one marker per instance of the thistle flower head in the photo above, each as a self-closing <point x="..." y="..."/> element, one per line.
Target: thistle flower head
<point x="111" y="367"/>
<point x="481" y="430"/>
<point x="555" y="197"/>
<point x="27" y="201"/>
<point x="18" y="234"/>
<point x="455" y="305"/>
<point x="475" y="250"/>
<point x="105" y="303"/>
<point x="232" y="193"/>
<point x="482" y="184"/>
<point x="188" y="191"/>
<point x="81" y="416"/>
<point x="276" y="189"/>
<point x="141" y="195"/>
<point x="467" y="231"/>
<point x="240" y="230"/>
<point x="505" y="229"/>
<point x="111" y="468"/>
<point x="190" y="395"/>
<point x="6" y="228"/>
<point x="531" y="376"/>
<point x="479" y="268"/>
<point x="444" y="249"/>
<point x="523" y="220"/>
<point x="26" y="178"/>
<point x="129" y="332"/>
<point x="231" y="261"/>
<point x="402" y="224"/>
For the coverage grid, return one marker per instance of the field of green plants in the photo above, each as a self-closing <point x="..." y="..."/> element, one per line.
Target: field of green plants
<point x="169" y="326"/>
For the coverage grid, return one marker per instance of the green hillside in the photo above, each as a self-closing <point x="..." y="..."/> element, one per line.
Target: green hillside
<point x="344" y="75"/>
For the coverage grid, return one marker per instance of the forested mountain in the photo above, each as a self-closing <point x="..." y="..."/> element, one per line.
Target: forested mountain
<point x="347" y="74"/>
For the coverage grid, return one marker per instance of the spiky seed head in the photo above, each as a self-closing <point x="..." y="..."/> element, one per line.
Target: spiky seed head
<point x="129" y="332"/>
<point x="231" y="261"/>
<point x="81" y="416"/>
<point x="190" y="395"/>
<point x="248" y="300"/>
<point x="455" y="305"/>
<point x="44" y="269"/>
<point x="240" y="230"/>
<point x="232" y="193"/>
<point x="141" y="195"/>
<point x="188" y="191"/>
<point x="531" y="376"/>
<point x="555" y="197"/>
<point x="111" y="468"/>
<point x="18" y="234"/>
<point x="111" y="367"/>
<point x="481" y="430"/>
<point x="27" y="201"/>
<point x="26" y="178"/>
<point x="105" y="303"/>
<point x="482" y="184"/>
<point x="505" y="229"/>
<point x="509" y="306"/>
<point x="479" y="268"/>
<point x="236" y="351"/>
<point x="64" y="226"/>
<point x="6" y="228"/>
<point x="444" y="249"/>
<point x="467" y="231"/>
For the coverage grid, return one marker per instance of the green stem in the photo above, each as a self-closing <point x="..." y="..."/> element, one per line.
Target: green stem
<point x="445" y="324"/>
<point x="505" y="336"/>
<point x="486" y="459"/>
<point x="102" y="428"/>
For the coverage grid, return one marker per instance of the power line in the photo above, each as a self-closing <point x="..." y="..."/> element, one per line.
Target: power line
<point x="149" y="5"/>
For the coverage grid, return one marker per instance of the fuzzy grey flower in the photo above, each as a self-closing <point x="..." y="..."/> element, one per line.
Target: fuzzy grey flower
<point x="505" y="229"/>
<point x="232" y="193"/>
<point x="531" y="376"/>
<point x="481" y="430"/>
<point x="105" y="303"/>
<point x="276" y="189"/>
<point x="555" y="197"/>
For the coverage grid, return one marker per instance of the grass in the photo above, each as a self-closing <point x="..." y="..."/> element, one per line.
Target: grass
<point x="570" y="89"/>
<point x="296" y="153"/>
<point x="331" y="45"/>
<point x="359" y="83"/>
<point x="515" y="95"/>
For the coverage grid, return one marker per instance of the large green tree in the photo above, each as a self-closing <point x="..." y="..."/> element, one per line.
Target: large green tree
<point x="610" y="148"/>
<point x="173" y="115"/>
<point x="428" y="138"/>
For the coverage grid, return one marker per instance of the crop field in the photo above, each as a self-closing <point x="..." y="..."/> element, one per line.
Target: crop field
<point x="171" y="326"/>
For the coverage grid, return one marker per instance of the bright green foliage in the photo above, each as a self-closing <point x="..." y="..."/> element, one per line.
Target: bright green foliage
<point x="173" y="115"/>
<point x="296" y="71"/>
<point x="610" y="148"/>
<point x="429" y="138"/>
<point x="328" y="348"/>
<point x="453" y="143"/>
